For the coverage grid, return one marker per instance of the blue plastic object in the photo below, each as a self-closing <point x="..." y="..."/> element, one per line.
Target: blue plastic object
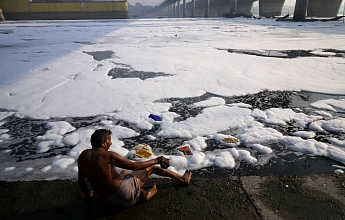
<point x="155" y="117"/>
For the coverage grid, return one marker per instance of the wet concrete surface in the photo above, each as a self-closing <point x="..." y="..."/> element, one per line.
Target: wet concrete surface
<point x="297" y="197"/>
<point x="228" y="197"/>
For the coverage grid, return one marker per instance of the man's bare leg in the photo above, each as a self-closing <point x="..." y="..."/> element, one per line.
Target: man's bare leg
<point x="143" y="175"/>
<point x="185" y="178"/>
<point x="148" y="194"/>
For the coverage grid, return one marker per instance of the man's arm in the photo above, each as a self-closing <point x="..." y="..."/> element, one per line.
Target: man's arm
<point x="83" y="187"/>
<point x="119" y="161"/>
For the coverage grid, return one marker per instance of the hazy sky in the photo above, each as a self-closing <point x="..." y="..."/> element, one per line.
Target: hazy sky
<point x="157" y="2"/>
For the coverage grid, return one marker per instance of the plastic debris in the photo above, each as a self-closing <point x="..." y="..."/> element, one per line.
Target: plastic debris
<point x="155" y="117"/>
<point x="185" y="150"/>
<point x="308" y="124"/>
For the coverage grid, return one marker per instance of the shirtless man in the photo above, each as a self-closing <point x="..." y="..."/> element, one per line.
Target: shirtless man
<point x="98" y="167"/>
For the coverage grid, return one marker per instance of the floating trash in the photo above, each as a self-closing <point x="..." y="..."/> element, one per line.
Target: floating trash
<point x="184" y="151"/>
<point x="142" y="151"/>
<point x="308" y="124"/>
<point x="155" y="117"/>
<point x="229" y="140"/>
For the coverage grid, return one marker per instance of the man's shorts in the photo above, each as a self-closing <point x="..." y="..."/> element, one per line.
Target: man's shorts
<point x="128" y="192"/>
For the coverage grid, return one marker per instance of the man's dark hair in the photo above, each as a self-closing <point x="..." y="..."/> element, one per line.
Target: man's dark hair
<point x="98" y="137"/>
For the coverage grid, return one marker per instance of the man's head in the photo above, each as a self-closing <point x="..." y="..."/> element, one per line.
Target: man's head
<point x="98" y="137"/>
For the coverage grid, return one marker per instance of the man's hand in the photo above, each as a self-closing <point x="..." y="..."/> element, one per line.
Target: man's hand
<point x="163" y="162"/>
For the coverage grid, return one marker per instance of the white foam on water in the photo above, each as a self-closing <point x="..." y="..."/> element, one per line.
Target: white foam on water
<point x="54" y="78"/>
<point x="339" y="171"/>
<point x="335" y="141"/>
<point x="262" y="149"/>
<point x="257" y="133"/>
<point x="304" y="134"/>
<point x="210" y="121"/>
<point x="329" y="104"/>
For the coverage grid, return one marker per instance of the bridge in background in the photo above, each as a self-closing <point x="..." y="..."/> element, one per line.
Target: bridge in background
<point x="235" y="8"/>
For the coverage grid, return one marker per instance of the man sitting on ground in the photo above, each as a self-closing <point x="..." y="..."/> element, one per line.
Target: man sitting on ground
<point x="98" y="167"/>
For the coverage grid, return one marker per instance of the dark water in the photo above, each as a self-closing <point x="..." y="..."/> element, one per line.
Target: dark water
<point x="24" y="130"/>
<point x="289" y="54"/>
<point x="100" y="55"/>
<point x="120" y="72"/>
<point x="123" y="71"/>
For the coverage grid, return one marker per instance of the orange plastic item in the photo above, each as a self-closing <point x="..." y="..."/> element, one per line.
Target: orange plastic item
<point x="185" y="150"/>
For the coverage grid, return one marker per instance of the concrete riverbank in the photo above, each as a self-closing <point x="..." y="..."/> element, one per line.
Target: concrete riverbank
<point x="228" y="197"/>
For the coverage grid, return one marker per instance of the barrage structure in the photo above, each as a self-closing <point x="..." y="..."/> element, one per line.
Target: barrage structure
<point x="63" y="10"/>
<point x="235" y="8"/>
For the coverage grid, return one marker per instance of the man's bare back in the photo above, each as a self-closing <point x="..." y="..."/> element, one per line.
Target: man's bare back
<point x="98" y="166"/>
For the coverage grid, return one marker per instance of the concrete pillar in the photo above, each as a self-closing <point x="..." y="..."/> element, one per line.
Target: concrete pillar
<point x="178" y="8"/>
<point x="188" y="9"/>
<point x="174" y="9"/>
<point x="184" y="8"/>
<point x="223" y="7"/>
<point x="213" y="12"/>
<point x="300" y="9"/>
<point x="193" y="9"/>
<point x="29" y="6"/>
<point x="245" y="8"/>
<point x="323" y="8"/>
<point x="271" y="8"/>
<point x="82" y="6"/>
<point x="233" y="7"/>
<point x="207" y="8"/>
<point x="2" y="18"/>
<point x="199" y="9"/>
<point x="171" y="11"/>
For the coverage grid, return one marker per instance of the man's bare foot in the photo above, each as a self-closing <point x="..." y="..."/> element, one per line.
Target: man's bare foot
<point x="148" y="194"/>
<point x="187" y="176"/>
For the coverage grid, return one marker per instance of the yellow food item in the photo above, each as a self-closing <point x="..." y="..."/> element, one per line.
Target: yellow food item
<point x="142" y="151"/>
<point x="230" y="140"/>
